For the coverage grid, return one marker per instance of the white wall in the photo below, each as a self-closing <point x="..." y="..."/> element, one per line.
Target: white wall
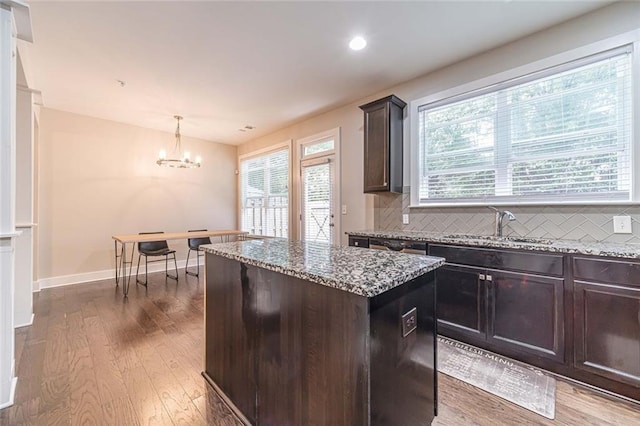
<point x="98" y="178"/>
<point x="606" y="22"/>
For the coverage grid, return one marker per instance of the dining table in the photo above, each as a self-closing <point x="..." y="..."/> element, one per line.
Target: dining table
<point x="121" y="241"/>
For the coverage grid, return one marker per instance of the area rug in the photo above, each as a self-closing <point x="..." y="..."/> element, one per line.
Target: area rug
<point x="516" y="382"/>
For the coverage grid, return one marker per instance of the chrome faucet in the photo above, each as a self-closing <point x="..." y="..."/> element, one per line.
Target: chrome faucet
<point x="499" y="220"/>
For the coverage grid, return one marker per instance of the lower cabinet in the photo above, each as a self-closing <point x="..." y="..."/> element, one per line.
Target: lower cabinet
<point x="526" y="313"/>
<point x="516" y="311"/>
<point x="461" y="307"/>
<point x="607" y="318"/>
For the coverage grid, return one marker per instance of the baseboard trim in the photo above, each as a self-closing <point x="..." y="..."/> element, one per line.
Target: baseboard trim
<point x="30" y="322"/>
<point x="12" y="394"/>
<point x="64" y="280"/>
<point x="226" y="400"/>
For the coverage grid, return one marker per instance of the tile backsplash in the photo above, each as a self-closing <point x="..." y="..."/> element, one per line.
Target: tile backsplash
<point x="584" y="223"/>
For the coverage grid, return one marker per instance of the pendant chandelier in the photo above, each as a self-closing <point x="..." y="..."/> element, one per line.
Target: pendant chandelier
<point x="179" y="160"/>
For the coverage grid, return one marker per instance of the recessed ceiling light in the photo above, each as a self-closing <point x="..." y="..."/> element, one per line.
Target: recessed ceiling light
<point x="357" y="43"/>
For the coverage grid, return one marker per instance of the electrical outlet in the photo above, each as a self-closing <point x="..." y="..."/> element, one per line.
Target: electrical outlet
<point x="409" y="322"/>
<point x="405" y="219"/>
<point x="344" y="209"/>
<point x="622" y="224"/>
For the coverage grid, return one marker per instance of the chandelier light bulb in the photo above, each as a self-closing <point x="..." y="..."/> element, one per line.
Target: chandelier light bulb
<point x="187" y="155"/>
<point x="162" y="155"/>
<point x="198" y="159"/>
<point x="357" y="43"/>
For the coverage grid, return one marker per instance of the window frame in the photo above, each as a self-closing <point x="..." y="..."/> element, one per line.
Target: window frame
<point x="493" y="83"/>
<point x="286" y="145"/>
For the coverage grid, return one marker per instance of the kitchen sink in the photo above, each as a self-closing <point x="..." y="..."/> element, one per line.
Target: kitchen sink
<point x="514" y="239"/>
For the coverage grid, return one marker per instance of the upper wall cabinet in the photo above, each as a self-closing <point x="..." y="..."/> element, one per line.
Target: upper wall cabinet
<point x="383" y="145"/>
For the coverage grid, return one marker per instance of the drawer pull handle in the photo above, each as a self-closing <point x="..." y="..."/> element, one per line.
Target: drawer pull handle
<point x="482" y="277"/>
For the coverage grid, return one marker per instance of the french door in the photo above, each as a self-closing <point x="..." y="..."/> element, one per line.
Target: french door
<point x="318" y="200"/>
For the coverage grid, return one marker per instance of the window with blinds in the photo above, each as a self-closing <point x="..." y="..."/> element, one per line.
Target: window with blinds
<point x="264" y="194"/>
<point x="560" y="135"/>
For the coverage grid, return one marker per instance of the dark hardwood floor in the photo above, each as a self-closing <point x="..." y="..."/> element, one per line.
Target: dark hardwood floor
<point x="92" y="357"/>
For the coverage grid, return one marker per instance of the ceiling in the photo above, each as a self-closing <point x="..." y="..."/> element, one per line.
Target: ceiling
<point x="225" y="65"/>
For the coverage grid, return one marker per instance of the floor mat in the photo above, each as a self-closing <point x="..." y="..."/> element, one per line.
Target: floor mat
<point x="511" y="380"/>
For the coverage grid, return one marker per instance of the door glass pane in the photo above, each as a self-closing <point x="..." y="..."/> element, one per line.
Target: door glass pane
<point x="317" y="202"/>
<point x="318" y="147"/>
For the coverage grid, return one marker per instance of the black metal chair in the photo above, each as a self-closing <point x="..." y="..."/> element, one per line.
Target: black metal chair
<point x="194" y="245"/>
<point x="154" y="249"/>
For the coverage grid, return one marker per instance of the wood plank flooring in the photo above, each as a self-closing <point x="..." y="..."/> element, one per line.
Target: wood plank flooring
<point x="94" y="358"/>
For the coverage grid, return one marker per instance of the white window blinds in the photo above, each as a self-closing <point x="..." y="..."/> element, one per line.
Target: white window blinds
<point x="563" y="134"/>
<point x="264" y="194"/>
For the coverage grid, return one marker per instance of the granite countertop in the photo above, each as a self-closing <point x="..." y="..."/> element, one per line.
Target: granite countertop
<point x="595" y="248"/>
<point x="363" y="272"/>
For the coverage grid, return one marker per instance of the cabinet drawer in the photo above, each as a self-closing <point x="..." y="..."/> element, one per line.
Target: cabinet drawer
<point x="537" y="263"/>
<point x="607" y="270"/>
<point x="359" y="242"/>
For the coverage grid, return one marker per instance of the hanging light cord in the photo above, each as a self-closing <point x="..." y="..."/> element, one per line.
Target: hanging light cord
<point x="177" y="148"/>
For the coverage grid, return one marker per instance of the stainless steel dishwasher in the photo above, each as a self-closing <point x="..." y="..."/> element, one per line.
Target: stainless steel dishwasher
<point x="403" y="246"/>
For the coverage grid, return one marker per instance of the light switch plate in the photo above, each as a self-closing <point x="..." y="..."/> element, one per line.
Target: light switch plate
<point x="622" y="224"/>
<point x="405" y="219"/>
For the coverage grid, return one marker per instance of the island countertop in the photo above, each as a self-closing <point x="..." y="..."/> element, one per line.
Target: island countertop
<point x="364" y="272"/>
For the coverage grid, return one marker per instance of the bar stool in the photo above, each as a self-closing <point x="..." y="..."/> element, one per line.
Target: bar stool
<point x="153" y="249"/>
<point x="194" y="244"/>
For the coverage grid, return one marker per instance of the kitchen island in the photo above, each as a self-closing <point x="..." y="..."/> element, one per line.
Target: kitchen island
<point x="309" y="333"/>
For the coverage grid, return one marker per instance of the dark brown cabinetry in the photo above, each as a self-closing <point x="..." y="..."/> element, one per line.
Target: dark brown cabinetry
<point x="501" y="309"/>
<point x="607" y="318"/>
<point x="383" y="145"/>
<point x="285" y="351"/>
<point x="461" y="302"/>
<point x="575" y="315"/>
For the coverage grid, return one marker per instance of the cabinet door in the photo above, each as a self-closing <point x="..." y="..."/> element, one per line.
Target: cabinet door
<point x="376" y="148"/>
<point x="607" y="330"/>
<point x="461" y="302"/>
<point x="526" y="313"/>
